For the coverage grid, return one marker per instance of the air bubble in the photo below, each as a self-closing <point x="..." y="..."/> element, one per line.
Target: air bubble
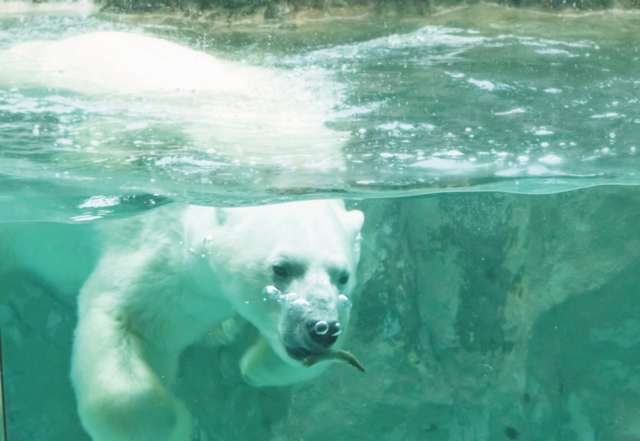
<point x="288" y="298"/>
<point x="322" y="327"/>
<point x="299" y="302"/>
<point x="207" y="239"/>
<point x="271" y="291"/>
<point x="344" y="301"/>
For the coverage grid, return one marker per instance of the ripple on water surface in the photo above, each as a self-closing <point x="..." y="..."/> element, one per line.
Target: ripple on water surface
<point x="528" y="104"/>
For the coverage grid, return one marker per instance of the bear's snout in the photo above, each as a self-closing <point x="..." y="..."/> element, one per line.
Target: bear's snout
<point x="324" y="333"/>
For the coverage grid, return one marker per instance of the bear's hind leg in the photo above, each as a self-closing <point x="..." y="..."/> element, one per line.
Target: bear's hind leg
<point x="120" y="398"/>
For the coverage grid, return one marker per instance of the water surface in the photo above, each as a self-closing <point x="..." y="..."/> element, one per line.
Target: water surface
<point x="478" y="98"/>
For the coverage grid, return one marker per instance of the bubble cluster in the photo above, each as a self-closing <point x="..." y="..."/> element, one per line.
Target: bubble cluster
<point x="271" y="292"/>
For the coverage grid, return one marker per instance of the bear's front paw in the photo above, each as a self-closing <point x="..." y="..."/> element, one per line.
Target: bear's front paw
<point x="261" y="367"/>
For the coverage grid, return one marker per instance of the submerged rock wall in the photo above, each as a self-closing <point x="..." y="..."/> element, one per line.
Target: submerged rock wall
<point x="507" y="317"/>
<point x="479" y="316"/>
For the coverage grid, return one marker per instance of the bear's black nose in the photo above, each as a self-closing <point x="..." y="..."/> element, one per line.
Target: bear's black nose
<point x="324" y="333"/>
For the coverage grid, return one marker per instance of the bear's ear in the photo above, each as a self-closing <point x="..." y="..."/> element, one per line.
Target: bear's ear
<point x="352" y="221"/>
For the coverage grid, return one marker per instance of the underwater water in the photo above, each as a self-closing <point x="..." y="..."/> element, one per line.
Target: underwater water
<point x="493" y="152"/>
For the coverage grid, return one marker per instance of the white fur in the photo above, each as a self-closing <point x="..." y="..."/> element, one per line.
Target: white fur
<point x="259" y="116"/>
<point x="160" y="280"/>
<point x="166" y="277"/>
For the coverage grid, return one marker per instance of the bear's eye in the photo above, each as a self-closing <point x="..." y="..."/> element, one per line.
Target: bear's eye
<point x="280" y="271"/>
<point x="344" y="278"/>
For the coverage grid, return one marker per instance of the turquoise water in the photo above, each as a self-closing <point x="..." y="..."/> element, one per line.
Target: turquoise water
<point x="508" y="310"/>
<point x="466" y="100"/>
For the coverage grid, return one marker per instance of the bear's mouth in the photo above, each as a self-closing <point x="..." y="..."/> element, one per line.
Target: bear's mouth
<point x="301" y="350"/>
<point x="298" y="353"/>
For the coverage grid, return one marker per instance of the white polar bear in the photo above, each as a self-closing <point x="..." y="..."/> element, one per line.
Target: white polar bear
<point x="255" y="115"/>
<point x="164" y="278"/>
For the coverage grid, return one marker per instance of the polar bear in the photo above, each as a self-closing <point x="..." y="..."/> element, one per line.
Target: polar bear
<point x="249" y="115"/>
<point x="165" y="277"/>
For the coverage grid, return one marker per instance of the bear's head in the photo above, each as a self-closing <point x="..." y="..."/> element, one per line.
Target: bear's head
<point x="289" y="269"/>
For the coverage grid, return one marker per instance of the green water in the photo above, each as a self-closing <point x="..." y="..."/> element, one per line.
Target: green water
<point x="508" y="310"/>
<point x="480" y="99"/>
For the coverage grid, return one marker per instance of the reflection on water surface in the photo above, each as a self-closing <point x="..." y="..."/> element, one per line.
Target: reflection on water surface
<point x="478" y="98"/>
